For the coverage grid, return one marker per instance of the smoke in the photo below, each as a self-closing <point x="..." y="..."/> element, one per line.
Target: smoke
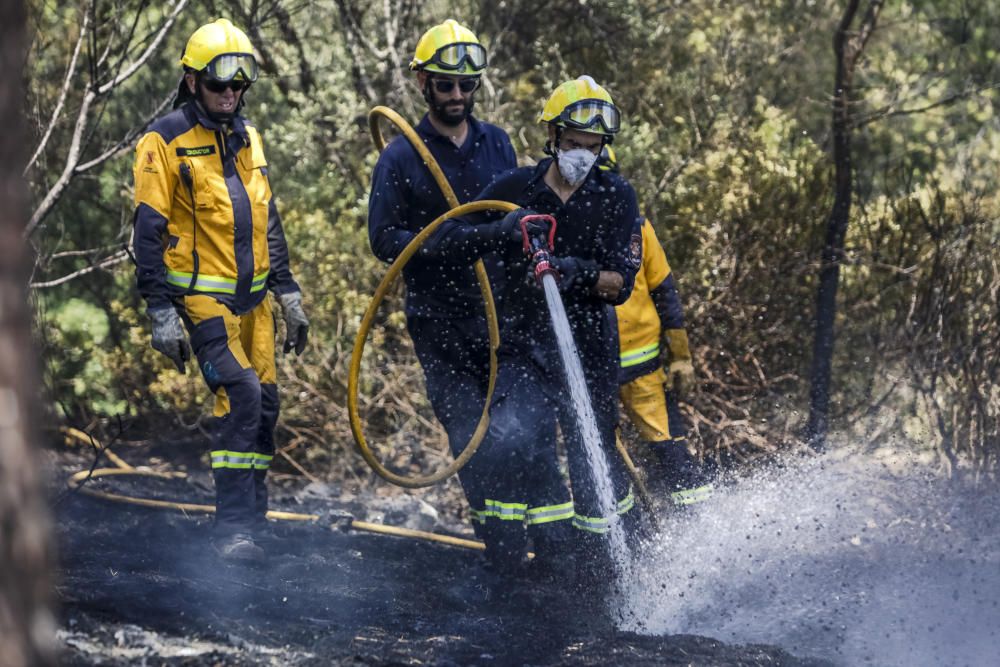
<point x="839" y="558"/>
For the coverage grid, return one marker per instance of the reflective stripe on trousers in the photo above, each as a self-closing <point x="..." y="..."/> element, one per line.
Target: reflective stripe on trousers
<point x="601" y="525"/>
<point x="521" y="512"/>
<point x="223" y="458"/>
<point x="692" y="496"/>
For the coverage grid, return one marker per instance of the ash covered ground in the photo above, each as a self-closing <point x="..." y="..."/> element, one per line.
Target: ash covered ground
<point x="143" y="586"/>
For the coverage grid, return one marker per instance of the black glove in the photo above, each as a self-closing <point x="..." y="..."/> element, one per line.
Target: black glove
<point x="508" y="230"/>
<point x="576" y="274"/>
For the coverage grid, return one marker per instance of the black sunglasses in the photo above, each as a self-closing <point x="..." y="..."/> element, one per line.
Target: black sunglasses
<point x="216" y="86"/>
<point x="448" y="85"/>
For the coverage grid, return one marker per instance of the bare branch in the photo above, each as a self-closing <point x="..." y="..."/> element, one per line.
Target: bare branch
<point x="62" y="95"/>
<point x="150" y="50"/>
<point x="129" y="139"/>
<point x="867" y="28"/>
<point x="72" y="159"/>
<point x="889" y="112"/>
<point x="72" y="166"/>
<point x="116" y="258"/>
<point x="80" y="253"/>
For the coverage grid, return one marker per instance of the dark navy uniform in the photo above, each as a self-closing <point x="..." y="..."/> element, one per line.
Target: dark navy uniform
<point x="444" y="308"/>
<point x="516" y="468"/>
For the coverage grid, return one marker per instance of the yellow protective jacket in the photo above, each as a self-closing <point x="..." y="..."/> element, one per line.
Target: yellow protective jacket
<point x="204" y="218"/>
<point x="653" y="307"/>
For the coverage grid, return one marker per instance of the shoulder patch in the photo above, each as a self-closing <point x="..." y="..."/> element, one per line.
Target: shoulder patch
<point x="635" y="251"/>
<point x="149" y="164"/>
<point x="196" y="151"/>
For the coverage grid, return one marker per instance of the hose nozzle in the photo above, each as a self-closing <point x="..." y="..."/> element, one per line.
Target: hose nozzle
<point x="538" y="245"/>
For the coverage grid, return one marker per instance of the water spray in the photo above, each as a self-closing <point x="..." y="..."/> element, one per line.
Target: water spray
<point x="539" y="248"/>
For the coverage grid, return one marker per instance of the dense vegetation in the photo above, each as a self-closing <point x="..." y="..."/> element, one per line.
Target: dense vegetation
<point x="728" y="142"/>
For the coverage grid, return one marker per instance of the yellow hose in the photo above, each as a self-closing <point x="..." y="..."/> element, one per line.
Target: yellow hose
<point x="76" y="480"/>
<point x="418" y="481"/>
<point x="644" y="496"/>
<point x="359" y="347"/>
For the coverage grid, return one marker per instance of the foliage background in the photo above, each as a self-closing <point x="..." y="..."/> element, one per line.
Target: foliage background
<point x="727" y="142"/>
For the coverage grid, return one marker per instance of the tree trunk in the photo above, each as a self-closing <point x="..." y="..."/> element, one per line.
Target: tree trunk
<point x="26" y="626"/>
<point x="848" y="45"/>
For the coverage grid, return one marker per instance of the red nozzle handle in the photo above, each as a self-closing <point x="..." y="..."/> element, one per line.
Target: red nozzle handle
<point x="524" y="231"/>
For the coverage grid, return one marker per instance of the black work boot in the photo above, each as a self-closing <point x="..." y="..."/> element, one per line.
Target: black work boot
<point x="678" y="475"/>
<point x="238" y="548"/>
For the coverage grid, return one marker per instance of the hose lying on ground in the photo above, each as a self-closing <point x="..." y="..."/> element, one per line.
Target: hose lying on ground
<point x="76" y="483"/>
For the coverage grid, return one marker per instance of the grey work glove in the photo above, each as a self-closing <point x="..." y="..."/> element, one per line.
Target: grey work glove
<point x="680" y="372"/>
<point x="296" y="322"/>
<point x="168" y="336"/>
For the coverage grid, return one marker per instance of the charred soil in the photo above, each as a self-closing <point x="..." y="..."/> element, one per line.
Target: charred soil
<point x="143" y="586"/>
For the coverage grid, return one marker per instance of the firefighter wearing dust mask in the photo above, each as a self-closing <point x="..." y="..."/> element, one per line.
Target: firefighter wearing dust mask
<point x="522" y="491"/>
<point x="445" y="314"/>
<point x="652" y="381"/>
<point x="209" y="246"/>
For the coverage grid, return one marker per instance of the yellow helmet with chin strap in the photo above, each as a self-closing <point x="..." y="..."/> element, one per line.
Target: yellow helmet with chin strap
<point x="222" y="51"/>
<point x="582" y="104"/>
<point x="449" y="48"/>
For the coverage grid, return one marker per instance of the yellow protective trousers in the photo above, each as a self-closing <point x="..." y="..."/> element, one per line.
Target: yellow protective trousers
<point x="652" y="409"/>
<point x="236" y="356"/>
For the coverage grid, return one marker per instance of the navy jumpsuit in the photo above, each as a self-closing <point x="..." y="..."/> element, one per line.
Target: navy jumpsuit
<point x="444" y="308"/>
<point x="517" y="463"/>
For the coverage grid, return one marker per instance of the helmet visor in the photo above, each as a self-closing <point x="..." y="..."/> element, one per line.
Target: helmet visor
<point x="586" y="114"/>
<point x="455" y="56"/>
<point x="228" y="66"/>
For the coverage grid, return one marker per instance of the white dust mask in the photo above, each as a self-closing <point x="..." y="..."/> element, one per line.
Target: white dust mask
<point x="574" y="165"/>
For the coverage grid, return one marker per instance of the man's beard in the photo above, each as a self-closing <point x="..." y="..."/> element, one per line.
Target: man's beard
<point x="452" y="118"/>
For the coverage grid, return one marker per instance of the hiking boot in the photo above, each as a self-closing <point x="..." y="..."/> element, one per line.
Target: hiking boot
<point x="238" y="548"/>
<point x="264" y="533"/>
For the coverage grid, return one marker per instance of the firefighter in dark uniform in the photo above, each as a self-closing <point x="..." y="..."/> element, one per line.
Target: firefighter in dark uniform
<point x="650" y="388"/>
<point x="209" y="245"/>
<point x="445" y="314"/>
<point x="519" y="481"/>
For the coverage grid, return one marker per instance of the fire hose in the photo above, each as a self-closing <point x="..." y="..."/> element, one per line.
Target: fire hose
<point x="393" y="272"/>
<point x="76" y="483"/>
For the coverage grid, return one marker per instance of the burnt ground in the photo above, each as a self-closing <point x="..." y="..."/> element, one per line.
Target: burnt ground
<point x="143" y="586"/>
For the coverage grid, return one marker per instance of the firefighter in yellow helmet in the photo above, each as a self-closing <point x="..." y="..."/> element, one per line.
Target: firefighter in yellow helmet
<point x="209" y="245"/>
<point x="522" y="492"/>
<point x="444" y="308"/>
<point x="649" y="392"/>
<point x="449" y="61"/>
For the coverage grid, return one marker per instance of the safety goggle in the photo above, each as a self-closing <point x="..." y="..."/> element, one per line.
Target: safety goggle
<point x="455" y="56"/>
<point x="585" y="114"/>
<point x="228" y="66"/>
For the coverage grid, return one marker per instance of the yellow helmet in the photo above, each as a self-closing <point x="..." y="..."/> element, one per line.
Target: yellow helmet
<point x="221" y="50"/>
<point x="449" y="48"/>
<point x="581" y="104"/>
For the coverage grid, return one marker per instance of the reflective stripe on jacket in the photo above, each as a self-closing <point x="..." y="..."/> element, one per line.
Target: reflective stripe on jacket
<point x="204" y="219"/>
